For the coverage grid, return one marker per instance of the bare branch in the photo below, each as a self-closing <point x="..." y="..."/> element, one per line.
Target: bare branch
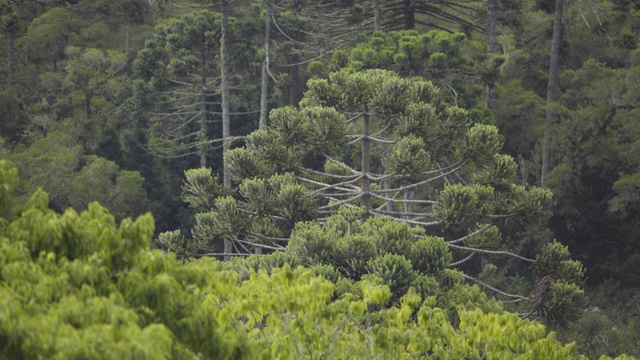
<point x="351" y="199"/>
<point x="463" y="260"/>
<point x="414" y="185"/>
<point x="490" y="252"/>
<point x="521" y="298"/>
<point x="457" y="241"/>
<point x="414" y="222"/>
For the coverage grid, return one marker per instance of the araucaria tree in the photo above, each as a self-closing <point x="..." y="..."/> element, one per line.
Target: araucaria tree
<point x="394" y="147"/>
<point x="391" y="147"/>
<point x="178" y="74"/>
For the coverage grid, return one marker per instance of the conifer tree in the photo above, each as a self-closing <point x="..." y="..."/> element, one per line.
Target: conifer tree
<point x="391" y="146"/>
<point x="178" y="76"/>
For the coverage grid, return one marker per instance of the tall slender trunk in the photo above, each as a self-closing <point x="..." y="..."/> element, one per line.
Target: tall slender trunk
<point x="295" y="88"/>
<point x="377" y="15"/>
<point x="366" y="166"/>
<point x="12" y="54"/>
<point x="492" y="43"/>
<point x="224" y="72"/>
<point x="388" y="184"/>
<point x="126" y="38"/>
<point x="226" y="119"/>
<point x="492" y="48"/>
<point x="552" y="96"/>
<point x="409" y="15"/>
<point x="264" y="88"/>
<point x="127" y="27"/>
<point x="88" y="95"/>
<point x="228" y="249"/>
<point x="202" y="148"/>
<point x="492" y="33"/>
<point x="410" y="195"/>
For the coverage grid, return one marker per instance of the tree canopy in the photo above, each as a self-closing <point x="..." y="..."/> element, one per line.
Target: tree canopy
<point x="77" y="285"/>
<point x="430" y="114"/>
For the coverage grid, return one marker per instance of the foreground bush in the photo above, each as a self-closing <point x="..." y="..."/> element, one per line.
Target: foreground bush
<point x="77" y="286"/>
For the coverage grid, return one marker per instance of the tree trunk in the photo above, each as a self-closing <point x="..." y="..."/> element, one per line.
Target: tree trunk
<point x="366" y="155"/>
<point x="492" y="33"/>
<point x="226" y="119"/>
<point x="492" y="43"/>
<point x="410" y="195"/>
<point x="377" y="15"/>
<point x="295" y="90"/>
<point x="12" y="54"/>
<point x="203" y="112"/>
<point x="264" y="88"/>
<point x="552" y="96"/>
<point x="409" y="15"/>
<point x="126" y="38"/>
<point x="224" y="59"/>
<point x="88" y="95"/>
<point x="492" y="48"/>
<point x="228" y="249"/>
<point x="388" y="184"/>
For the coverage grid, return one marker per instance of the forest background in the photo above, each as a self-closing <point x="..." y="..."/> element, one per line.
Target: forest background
<point x="114" y="100"/>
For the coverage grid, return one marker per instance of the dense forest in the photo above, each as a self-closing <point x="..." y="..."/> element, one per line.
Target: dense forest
<point x="316" y="179"/>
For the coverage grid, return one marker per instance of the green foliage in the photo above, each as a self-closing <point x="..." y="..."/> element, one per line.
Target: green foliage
<point x="490" y="71"/>
<point x="102" y="180"/>
<point x="500" y="174"/>
<point x="554" y="261"/>
<point x="403" y="50"/>
<point x="609" y="325"/>
<point x="430" y="255"/>
<point x="73" y="61"/>
<point x="200" y="189"/>
<point x="395" y="270"/>
<point x="9" y="17"/>
<point x="425" y="285"/>
<point x="225" y="222"/>
<point x="174" y="72"/>
<point x="626" y="189"/>
<point x="468" y="297"/>
<point x="245" y="267"/>
<point x="415" y="134"/>
<point x="560" y="297"/>
<point x="481" y="145"/>
<point x="460" y="205"/>
<point x="394" y="148"/>
<point x="519" y="112"/>
<point x="57" y="165"/>
<point x="339" y="328"/>
<point x="76" y="285"/>
<point x="391" y="236"/>
<point x="175" y="242"/>
<point x="564" y="306"/>
<point x="384" y="251"/>
<point x="407" y="157"/>
<point x="9" y="178"/>
<point x="352" y="254"/>
<point x="48" y="35"/>
<point x="311" y="244"/>
<point x="443" y="57"/>
<point x="175" y="91"/>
